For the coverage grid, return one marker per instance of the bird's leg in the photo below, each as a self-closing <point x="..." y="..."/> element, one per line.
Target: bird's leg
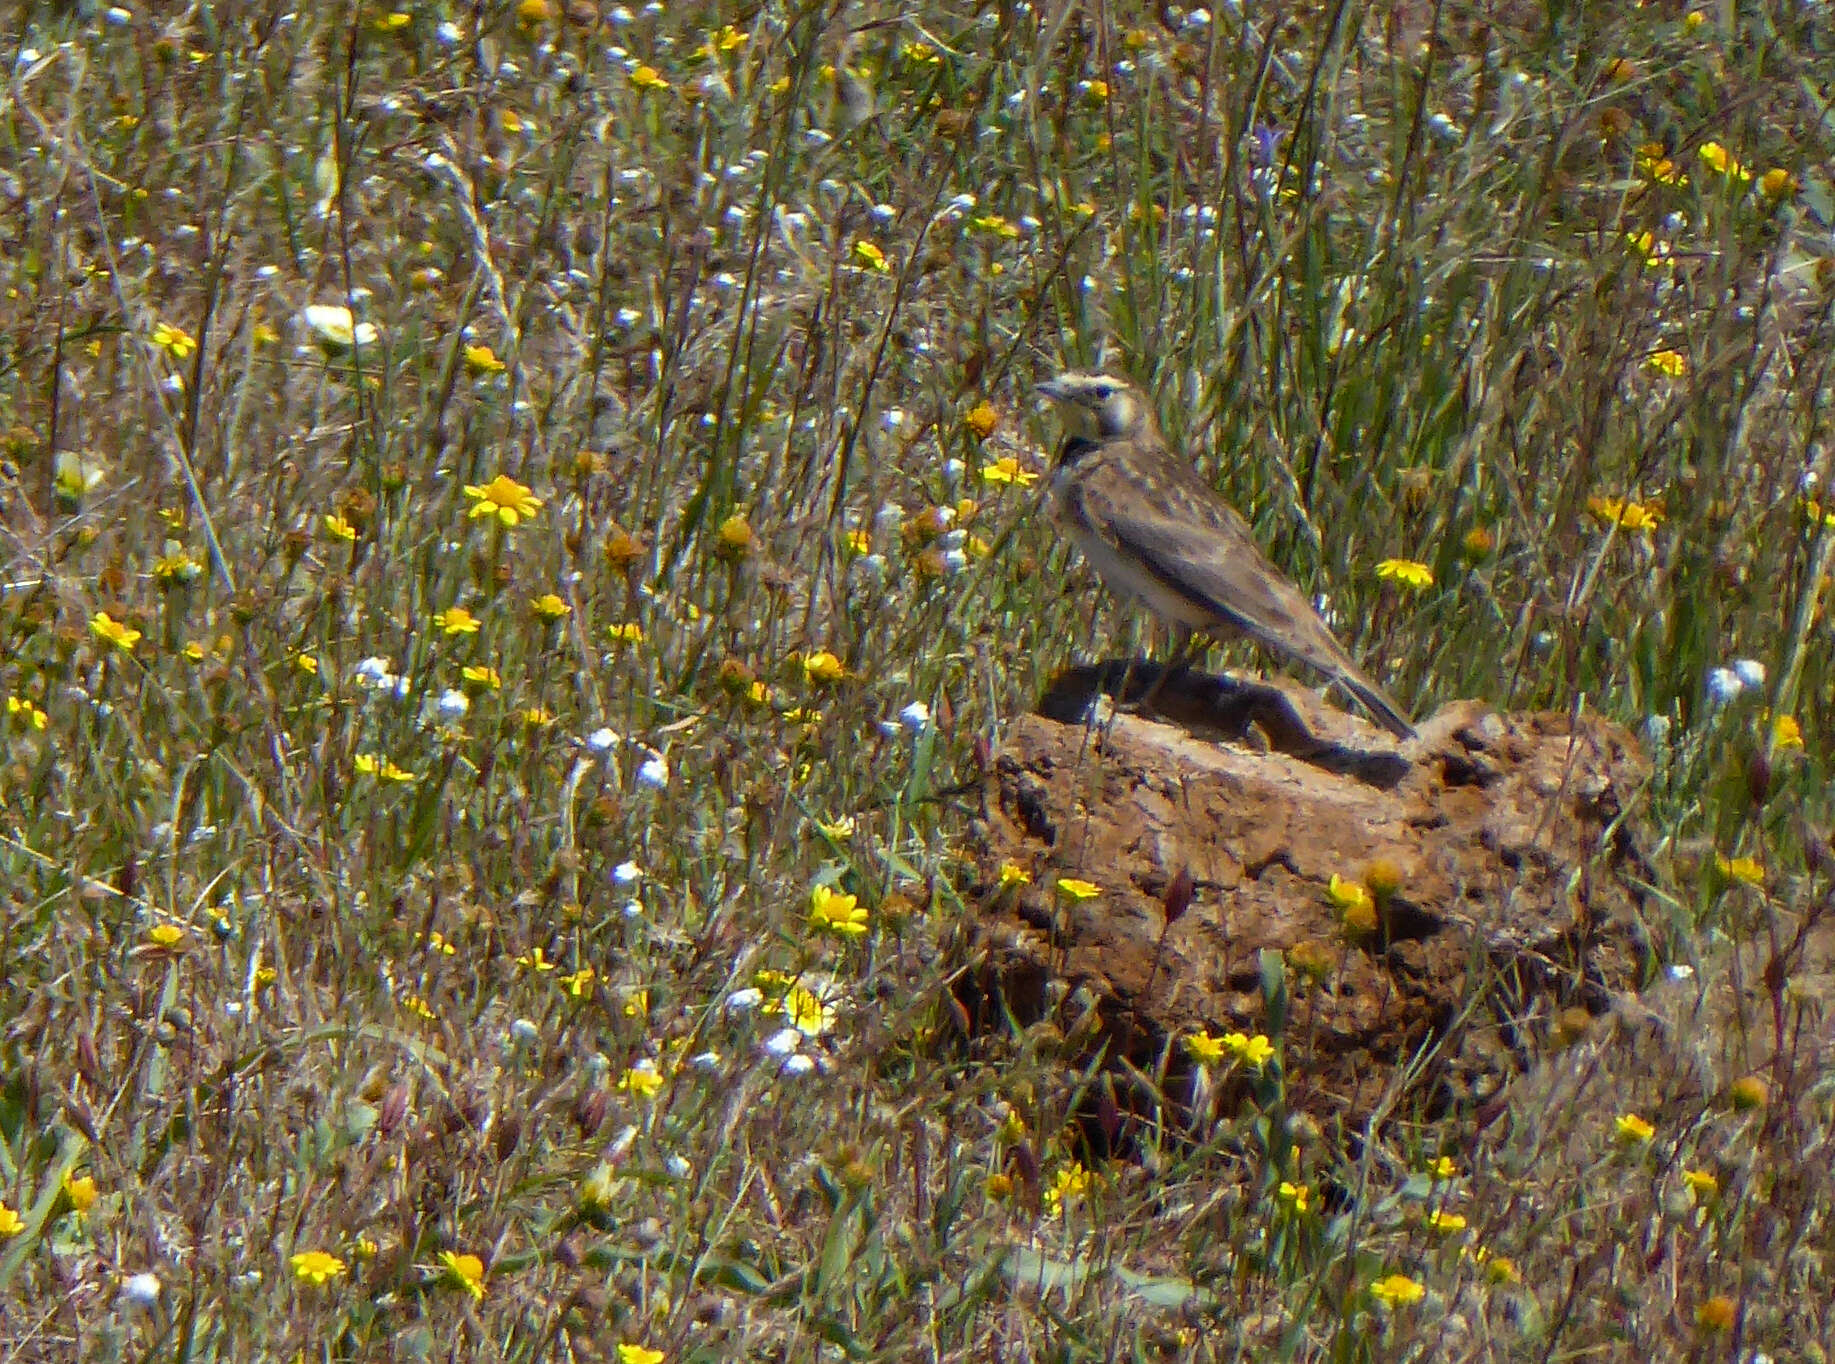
<point x="1183" y="654"/>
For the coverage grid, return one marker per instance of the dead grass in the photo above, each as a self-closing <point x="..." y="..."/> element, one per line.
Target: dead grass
<point x="278" y="930"/>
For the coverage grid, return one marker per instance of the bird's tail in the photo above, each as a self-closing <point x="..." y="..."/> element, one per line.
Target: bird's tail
<point x="1377" y="702"/>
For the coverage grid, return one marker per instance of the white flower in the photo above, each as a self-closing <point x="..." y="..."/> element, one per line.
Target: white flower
<point x="744" y="1001"/>
<point x="781" y="1043"/>
<point x="797" y="1064"/>
<point x="915" y="717"/>
<point x="1723" y="686"/>
<point x="654" y="773"/>
<point x="678" y="1168"/>
<point x="953" y="469"/>
<point x="1750" y="672"/>
<point x="627" y="873"/>
<point x="524" y="1032"/>
<point x="140" y="1290"/>
<point x="707" y="1062"/>
<point x="601" y="740"/>
<point x="454" y="703"/>
<point x="954" y="561"/>
<point x="633" y="909"/>
<point x="336" y="329"/>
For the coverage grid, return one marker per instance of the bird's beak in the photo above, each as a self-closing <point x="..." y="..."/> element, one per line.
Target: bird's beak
<point x="1055" y="390"/>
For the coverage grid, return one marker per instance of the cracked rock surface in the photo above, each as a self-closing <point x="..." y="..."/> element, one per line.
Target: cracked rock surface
<point x="1520" y="899"/>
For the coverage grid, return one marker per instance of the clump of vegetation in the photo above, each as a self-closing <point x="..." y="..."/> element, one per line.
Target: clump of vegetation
<point x="517" y="518"/>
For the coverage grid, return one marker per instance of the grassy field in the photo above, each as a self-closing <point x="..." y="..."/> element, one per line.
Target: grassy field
<point x="519" y="521"/>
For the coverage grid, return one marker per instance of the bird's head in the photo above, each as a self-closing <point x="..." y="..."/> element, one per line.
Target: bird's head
<point x="1097" y="405"/>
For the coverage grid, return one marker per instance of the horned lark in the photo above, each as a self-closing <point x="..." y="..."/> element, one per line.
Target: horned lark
<point x="1153" y="530"/>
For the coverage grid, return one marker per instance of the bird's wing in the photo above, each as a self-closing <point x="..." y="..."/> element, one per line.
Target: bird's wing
<point x="1189" y="539"/>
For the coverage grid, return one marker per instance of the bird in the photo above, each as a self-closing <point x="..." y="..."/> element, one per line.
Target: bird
<point x="1153" y="530"/>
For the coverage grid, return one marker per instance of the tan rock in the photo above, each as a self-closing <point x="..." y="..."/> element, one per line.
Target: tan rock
<point x="1517" y="901"/>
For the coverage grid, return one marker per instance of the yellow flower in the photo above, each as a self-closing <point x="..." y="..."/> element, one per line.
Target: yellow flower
<point x="316" y="1267"/>
<point x="1074" y="888"/>
<point x="1718" y="159"/>
<point x="482" y="360"/>
<point x="482" y="677"/>
<point x="830" y="911"/>
<point x="510" y="502"/>
<point x="1204" y="1049"/>
<point x="1701" y="1183"/>
<point x="1011" y="874"/>
<point x="580" y="983"/>
<point x="995" y="225"/>
<point x="779" y="86"/>
<point x="167" y="936"/>
<point x="629" y="632"/>
<point x="1669" y="362"/>
<point x="1098" y="91"/>
<point x="858" y="542"/>
<point x="1254" y="1052"/>
<point x="1777" y="183"/>
<point x="823" y="666"/>
<point x="836" y="829"/>
<point x="805" y="1010"/>
<point x="376" y="765"/>
<point x="1633" y="1130"/>
<point x="456" y="620"/>
<point x="467" y="1271"/>
<point x="1441" y="1167"/>
<point x="11" y="1223"/>
<point x="174" y="341"/>
<point x="535" y="960"/>
<point x="648" y="78"/>
<point x="306" y="663"/>
<point x="1410" y="573"/>
<point x="1069" y="1182"/>
<point x="1295" y="1196"/>
<point x="1446" y="1223"/>
<point x="549" y="606"/>
<point x="981" y="419"/>
<point x="1636" y="516"/>
<point x="1008" y="469"/>
<point x="870" y="256"/>
<point x="176" y="568"/>
<point x="111" y="631"/>
<point x="81" y="1191"/>
<point x="390" y="22"/>
<point x="1655" y="253"/>
<point x="340" y="529"/>
<point x="1745" y="870"/>
<point x="1397" y="1290"/>
<point x="25" y="714"/>
<point x="1786" y="733"/>
<point x="639" y="1354"/>
<point x="642" y="1079"/>
<point x="736" y="538"/>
